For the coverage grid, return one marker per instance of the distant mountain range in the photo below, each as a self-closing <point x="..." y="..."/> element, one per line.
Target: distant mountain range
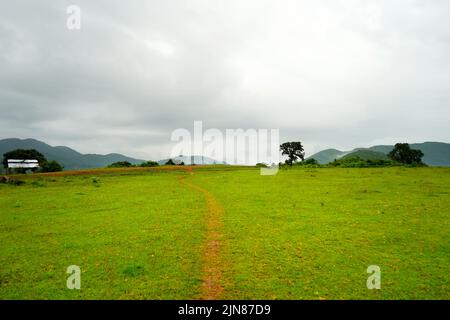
<point x="435" y="153"/>
<point x="73" y="160"/>
<point x="67" y="157"/>
<point x="192" y="159"/>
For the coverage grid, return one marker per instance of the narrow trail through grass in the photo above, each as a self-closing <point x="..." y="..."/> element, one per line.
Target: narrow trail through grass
<point x="211" y="287"/>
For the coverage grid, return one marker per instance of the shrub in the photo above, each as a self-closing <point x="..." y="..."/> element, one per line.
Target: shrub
<point x="357" y="162"/>
<point x="51" y="166"/>
<point x="261" y="165"/>
<point x="149" y="164"/>
<point x="309" y="163"/>
<point x="120" y="164"/>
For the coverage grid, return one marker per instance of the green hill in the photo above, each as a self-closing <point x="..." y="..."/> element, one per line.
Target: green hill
<point x="435" y="153"/>
<point x="365" y="154"/>
<point x="327" y="156"/>
<point x="69" y="158"/>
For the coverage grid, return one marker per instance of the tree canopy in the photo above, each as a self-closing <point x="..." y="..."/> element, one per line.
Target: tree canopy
<point x="51" y="166"/>
<point x="403" y="153"/>
<point x="170" y="162"/>
<point x="24" y="154"/>
<point x="31" y="154"/>
<point x="294" y="151"/>
<point x="120" y="164"/>
<point x="149" y="163"/>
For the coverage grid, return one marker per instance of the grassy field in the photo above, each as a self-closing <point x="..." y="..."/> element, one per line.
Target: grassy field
<point x="165" y="234"/>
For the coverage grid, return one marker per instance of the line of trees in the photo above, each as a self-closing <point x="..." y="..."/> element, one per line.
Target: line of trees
<point x="401" y="154"/>
<point x="127" y="164"/>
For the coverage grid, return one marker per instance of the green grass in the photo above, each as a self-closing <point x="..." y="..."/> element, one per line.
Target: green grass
<point x="134" y="236"/>
<point x="302" y="234"/>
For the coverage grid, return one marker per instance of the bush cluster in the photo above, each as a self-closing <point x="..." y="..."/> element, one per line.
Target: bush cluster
<point x="355" y="162"/>
<point x="127" y="164"/>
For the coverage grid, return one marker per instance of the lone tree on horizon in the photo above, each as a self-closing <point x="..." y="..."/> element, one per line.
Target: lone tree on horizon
<point x="170" y="163"/>
<point x="403" y="153"/>
<point x="294" y="151"/>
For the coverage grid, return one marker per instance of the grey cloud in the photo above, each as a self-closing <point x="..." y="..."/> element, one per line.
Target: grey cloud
<point x="330" y="73"/>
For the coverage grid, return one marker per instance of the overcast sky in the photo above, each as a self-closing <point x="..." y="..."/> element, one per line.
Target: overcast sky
<point x="339" y="74"/>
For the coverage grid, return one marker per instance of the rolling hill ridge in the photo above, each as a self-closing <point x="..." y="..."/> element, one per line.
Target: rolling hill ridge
<point x="435" y="153"/>
<point x="67" y="157"/>
<point x="74" y="160"/>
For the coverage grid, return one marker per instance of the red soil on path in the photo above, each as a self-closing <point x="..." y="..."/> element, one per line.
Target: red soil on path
<point x="211" y="287"/>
